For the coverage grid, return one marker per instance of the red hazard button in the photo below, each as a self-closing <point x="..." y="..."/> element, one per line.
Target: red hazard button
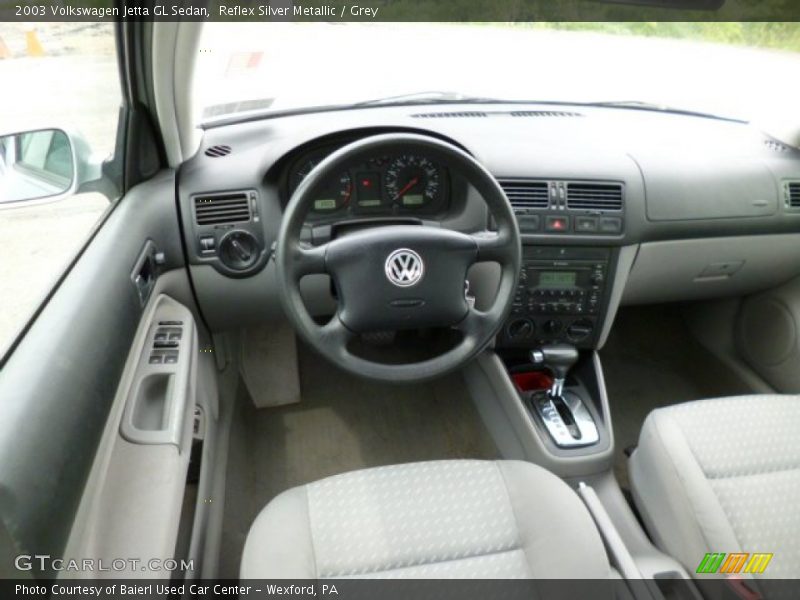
<point x="559" y="224"/>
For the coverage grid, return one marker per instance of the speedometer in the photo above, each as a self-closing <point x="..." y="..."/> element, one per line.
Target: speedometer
<point x="413" y="181"/>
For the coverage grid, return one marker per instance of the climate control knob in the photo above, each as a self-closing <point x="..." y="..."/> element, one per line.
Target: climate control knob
<point x="552" y="327"/>
<point x="520" y="329"/>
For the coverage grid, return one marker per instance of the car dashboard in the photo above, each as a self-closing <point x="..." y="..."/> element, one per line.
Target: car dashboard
<point x="614" y="206"/>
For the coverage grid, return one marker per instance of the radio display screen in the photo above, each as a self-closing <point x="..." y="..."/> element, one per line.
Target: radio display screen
<point x="557" y="279"/>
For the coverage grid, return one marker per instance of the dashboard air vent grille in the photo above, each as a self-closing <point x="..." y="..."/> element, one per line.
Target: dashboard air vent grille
<point x="222" y="208"/>
<point x="776" y="146"/>
<point x="464" y="114"/>
<point x="594" y="196"/>
<point x="793" y="194"/>
<point x="544" y="113"/>
<point x="218" y="151"/>
<point x="523" y="193"/>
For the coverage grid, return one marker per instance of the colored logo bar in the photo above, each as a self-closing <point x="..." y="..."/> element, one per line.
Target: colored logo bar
<point x="735" y="562"/>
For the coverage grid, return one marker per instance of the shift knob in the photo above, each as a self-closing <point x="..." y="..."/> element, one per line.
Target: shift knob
<point x="558" y="359"/>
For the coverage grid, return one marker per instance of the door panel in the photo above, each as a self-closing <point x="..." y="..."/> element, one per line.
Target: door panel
<point x="58" y="384"/>
<point x="135" y="493"/>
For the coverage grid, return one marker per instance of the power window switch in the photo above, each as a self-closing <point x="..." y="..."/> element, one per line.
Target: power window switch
<point x="155" y="359"/>
<point x="171" y="358"/>
<point x="165" y="344"/>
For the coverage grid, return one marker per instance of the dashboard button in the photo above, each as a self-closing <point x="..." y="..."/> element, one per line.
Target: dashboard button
<point x="586" y="224"/>
<point x="557" y="224"/>
<point x="528" y="223"/>
<point x="208" y="244"/>
<point x="610" y="225"/>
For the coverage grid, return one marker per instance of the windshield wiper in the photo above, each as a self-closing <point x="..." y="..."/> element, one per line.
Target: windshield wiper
<point x="431" y="97"/>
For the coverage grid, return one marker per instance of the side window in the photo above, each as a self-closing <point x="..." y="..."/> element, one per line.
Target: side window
<point x="61" y="98"/>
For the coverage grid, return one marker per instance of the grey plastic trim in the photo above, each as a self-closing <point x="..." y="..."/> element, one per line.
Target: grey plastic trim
<point x="133" y="498"/>
<point x="513" y="429"/>
<point x="625" y="260"/>
<point x="650" y="561"/>
<point x="174" y="48"/>
<point x="621" y="557"/>
<point x="693" y="269"/>
<point x="176" y="377"/>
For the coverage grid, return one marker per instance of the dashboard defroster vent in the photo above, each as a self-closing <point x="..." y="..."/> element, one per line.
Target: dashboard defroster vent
<point x="525" y="194"/>
<point x="793" y="194"/>
<point x="218" y="151"/>
<point x="464" y="114"/>
<point x="544" y="113"/>
<point x="217" y="209"/>
<point x="594" y="196"/>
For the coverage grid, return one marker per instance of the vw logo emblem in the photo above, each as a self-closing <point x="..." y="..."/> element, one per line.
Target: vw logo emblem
<point x="404" y="267"/>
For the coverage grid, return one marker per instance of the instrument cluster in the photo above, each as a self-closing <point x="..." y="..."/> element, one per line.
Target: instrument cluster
<point x="405" y="184"/>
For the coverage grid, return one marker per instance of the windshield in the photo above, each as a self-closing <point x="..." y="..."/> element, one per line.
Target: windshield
<point x="738" y="70"/>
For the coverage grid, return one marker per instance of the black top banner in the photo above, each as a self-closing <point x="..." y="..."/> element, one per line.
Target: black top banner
<point x="400" y="10"/>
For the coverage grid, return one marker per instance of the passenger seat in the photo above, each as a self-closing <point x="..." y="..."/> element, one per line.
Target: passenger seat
<point x="723" y="476"/>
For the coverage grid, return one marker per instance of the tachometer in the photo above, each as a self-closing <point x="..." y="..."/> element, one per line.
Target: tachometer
<point x="413" y="181"/>
<point x="335" y="195"/>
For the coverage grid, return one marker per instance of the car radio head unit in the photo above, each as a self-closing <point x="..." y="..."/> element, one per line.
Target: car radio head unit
<point x="560" y="297"/>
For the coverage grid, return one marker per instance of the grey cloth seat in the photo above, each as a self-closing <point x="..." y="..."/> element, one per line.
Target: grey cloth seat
<point x="723" y="475"/>
<point x="440" y="519"/>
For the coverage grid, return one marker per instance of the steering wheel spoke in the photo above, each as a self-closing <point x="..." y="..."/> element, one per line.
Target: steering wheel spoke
<point x="475" y="324"/>
<point x="308" y="260"/>
<point x="335" y="334"/>
<point x="492" y="247"/>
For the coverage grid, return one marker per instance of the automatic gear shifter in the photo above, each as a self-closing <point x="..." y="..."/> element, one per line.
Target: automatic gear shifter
<point x="559" y="359"/>
<point x="564" y="414"/>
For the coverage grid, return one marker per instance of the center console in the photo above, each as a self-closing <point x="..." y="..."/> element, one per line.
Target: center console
<point x="562" y="296"/>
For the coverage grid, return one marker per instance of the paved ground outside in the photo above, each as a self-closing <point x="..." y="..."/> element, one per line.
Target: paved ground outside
<point x="75" y="85"/>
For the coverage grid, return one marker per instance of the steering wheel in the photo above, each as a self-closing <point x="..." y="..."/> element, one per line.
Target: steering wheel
<point x="397" y="277"/>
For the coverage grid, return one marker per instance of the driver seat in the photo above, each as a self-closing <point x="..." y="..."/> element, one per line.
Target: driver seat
<point x="440" y="519"/>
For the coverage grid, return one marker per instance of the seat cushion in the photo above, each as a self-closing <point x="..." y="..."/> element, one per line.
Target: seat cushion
<point x="441" y="519"/>
<point x="723" y="475"/>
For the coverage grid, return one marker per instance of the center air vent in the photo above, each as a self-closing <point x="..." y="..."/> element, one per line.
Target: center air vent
<point x="222" y="208"/>
<point x="793" y="194"/>
<point x="594" y="196"/>
<point x="525" y="194"/>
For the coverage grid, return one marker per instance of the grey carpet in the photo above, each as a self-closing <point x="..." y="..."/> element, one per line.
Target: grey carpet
<point x="652" y="360"/>
<point x="343" y="423"/>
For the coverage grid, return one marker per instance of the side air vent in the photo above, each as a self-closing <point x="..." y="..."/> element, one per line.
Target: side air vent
<point x="218" y="151"/>
<point x="594" y="196"/>
<point x="793" y="194"/>
<point x="544" y="113"/>
<point x="465" y="114"/>
<point x="222" y="208"/>
<point x="525" y="194"/>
